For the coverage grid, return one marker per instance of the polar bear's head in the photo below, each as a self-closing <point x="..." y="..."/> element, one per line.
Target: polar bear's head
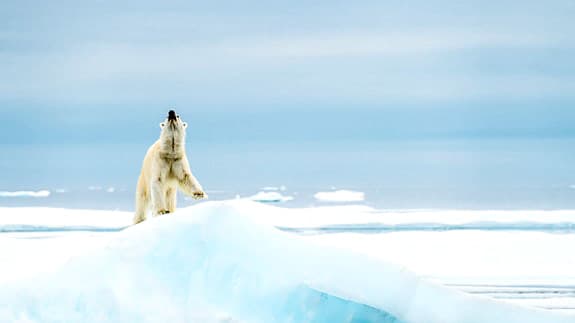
<point x="173" y="133"/>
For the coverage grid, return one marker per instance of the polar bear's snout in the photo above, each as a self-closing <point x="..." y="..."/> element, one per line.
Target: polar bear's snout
<point x="172" y="115"/>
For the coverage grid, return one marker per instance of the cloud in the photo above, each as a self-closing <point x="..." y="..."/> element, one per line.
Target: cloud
<point x="420" y="42"/>
<point x="200" y="60"/>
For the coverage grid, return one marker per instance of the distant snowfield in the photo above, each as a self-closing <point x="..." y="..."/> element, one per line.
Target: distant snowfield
<point x="225" y="262"/>
<point x="270" y="197"/>
<point x="43" y="193"/>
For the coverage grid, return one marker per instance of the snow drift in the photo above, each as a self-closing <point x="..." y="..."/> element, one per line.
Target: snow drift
<point x="213" y="262"/>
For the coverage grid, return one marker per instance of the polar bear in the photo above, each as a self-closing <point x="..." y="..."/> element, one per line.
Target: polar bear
<point x="165" y="168"/>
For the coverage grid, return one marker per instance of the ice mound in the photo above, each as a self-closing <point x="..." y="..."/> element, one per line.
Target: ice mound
<point x="340" y="196"/>
<point x="42" y="193"/>
<point x="213" y="262"/>
<point x="270" y="197"/>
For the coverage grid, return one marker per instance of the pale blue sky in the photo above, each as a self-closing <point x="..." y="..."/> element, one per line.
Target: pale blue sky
<point x="292" y="70"/>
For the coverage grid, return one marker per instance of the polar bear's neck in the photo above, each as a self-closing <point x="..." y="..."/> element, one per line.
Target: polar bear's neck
<point x="171" y="146"/>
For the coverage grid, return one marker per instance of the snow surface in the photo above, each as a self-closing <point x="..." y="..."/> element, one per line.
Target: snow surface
<point x="219" y="262"/>
<point x="515" y="260"/>
<point x="43" y="193"/>
<point x="270" y="197"/>
<point x="340" y="196"/>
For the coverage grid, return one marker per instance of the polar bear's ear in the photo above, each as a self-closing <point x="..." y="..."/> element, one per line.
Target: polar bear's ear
<point x="162" y="125"/>
<point x="184" y="124"/>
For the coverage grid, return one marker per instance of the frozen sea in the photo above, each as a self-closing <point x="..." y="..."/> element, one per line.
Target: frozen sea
<point x="490" y="219"/>
<point x="498" y="173"/>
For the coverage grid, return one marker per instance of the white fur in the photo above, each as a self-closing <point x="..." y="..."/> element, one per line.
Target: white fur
<point x="165" y="168"/>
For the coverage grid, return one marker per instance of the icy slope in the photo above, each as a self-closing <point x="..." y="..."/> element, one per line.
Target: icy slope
<point x="213" y="262"/>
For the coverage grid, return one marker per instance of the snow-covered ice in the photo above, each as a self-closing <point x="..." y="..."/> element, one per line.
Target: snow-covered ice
<point x="38" y="219"/>
<point x="42" y="193"/>
<point x="225" y="261"/>
<point x="274" y="188"/>
<point x="340" y="196"/>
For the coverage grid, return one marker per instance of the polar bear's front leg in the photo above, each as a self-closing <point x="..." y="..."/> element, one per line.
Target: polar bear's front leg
<point x="187" y="182"/>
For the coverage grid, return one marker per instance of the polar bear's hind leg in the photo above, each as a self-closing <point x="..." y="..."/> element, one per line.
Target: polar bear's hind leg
<point x="142" y="203"/>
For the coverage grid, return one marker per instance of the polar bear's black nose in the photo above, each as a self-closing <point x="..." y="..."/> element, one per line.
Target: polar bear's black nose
<point x="171" y="115"/>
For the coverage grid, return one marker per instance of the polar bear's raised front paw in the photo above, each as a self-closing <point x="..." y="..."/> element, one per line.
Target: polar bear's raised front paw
<point x="199" y="195"/>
